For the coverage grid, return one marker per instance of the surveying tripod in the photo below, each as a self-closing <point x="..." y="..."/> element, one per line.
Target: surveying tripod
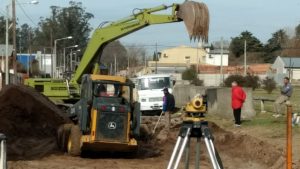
<point x="196" y="129"/>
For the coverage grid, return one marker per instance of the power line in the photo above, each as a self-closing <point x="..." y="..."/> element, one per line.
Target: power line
<point x="28" y="17"/>
<point x="2" y="12"/>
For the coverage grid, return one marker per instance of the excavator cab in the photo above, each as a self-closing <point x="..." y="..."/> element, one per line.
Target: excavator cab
<point x="105" y="119"/>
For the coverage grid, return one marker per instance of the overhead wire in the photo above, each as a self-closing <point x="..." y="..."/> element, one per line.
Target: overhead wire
<point x="27" y="16"/>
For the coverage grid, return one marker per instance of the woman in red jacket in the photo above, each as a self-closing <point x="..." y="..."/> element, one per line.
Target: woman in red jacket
<point x="238" y="97"/>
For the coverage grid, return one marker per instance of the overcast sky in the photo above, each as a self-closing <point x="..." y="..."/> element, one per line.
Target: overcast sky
<point x="228" y="18"/>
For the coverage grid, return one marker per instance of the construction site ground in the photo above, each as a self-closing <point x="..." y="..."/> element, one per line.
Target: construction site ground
<point x="30" y="128"/>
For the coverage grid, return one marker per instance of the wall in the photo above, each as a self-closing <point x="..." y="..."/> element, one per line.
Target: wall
<point x="219" y="103"/>
<point x="219" y="100"/>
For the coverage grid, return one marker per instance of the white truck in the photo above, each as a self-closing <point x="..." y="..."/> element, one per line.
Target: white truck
<point x="149" y="91"/>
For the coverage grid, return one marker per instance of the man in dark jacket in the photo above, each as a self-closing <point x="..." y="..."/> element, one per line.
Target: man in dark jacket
<point x="285" y="94"/>
<point x="168" y="106"/>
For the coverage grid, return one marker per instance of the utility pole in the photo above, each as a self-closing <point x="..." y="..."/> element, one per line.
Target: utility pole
<point x="156" y="58"/>
<point x="128" y="65"/>
<point x="14" y="40"/>
<point x="245" y="58"/>
<point x="222" y="75"/>
<point x="197" y="60"/>
<point x="6" y="48"/>
<point x="115" y="64"/>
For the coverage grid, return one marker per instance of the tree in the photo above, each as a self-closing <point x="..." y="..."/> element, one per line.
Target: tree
<point x="3" y="30"/>
<point x="238" y="78"/>
<point x="275" y="45"/>
<point x="251" y="81"/>
<point x="113" y="49"/>
<point x="269" y="84"/>
<point x="25" y="34"/>
<point x="191" y="75"/>
<point x="237" y="44"/>
<point x="69" y="21"/>
<point x="297" y="31"/>
<point x="136" y="55"/>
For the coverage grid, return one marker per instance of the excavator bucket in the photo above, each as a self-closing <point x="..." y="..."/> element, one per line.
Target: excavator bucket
<point x="195" y="16"/>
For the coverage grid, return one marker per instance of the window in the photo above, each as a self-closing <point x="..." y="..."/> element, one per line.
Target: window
<point x="165" y="55"/>
<point x="107" y="90"/>
<point x="154" y="83"/>
<point x="187" y="59"/>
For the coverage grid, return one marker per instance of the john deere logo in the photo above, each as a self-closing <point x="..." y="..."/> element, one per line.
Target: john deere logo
<point x="112" y="125"/>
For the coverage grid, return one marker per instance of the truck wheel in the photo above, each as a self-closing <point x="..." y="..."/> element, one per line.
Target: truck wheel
<point x="74" y="146"/>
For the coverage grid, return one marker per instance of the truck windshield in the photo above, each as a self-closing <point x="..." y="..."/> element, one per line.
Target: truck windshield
<point x="153" y="83"/>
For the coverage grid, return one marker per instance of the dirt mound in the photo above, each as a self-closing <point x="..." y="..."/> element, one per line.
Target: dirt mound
<point x="29" y="120"/>
<point x="241" y="151"/>
<point x="233" y="147"/>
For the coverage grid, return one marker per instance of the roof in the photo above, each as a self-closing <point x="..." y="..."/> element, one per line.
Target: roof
<point x="154" y="75"/>
<point x="293" y="62"/>
<point x="218" y="51"/>
<point x="252" y="69"/>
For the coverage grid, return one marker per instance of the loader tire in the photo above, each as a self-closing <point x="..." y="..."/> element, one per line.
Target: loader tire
<point x="63" y="133"/>
<point x="74" y="143"/>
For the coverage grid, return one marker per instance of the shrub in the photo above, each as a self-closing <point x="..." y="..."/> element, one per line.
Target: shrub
<point x="238" y="78"/>
<point x="269" y="84"/>
<point x="251" y="81"/>
<point x="197" y="82"/>
<point x="189" y="74"/>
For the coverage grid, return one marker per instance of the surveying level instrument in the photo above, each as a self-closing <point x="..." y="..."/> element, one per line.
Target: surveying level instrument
<point x="194" y="125"/>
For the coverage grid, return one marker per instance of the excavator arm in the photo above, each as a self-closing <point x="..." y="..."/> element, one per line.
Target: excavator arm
<point x="194" y="15"/>
<point x="145" y="17"/>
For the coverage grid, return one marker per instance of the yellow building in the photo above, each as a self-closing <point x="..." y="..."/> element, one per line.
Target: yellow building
<point x="180" y="56"/>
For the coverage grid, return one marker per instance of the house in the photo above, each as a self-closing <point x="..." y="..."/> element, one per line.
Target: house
<point x="181" y="55"/>
<point x="217" y="57"/>
<point x="286" y="66"/>
<point x="176" y="60"/>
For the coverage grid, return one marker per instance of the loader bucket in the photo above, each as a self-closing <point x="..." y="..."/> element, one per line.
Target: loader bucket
<point x="195" y="16"/>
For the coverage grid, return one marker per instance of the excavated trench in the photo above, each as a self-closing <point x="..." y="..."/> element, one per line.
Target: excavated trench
<point x="30" y="121"/>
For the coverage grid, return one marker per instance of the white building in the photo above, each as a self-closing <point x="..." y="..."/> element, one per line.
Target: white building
<point x="213" y="57"/>
<point x="286" y="66"/>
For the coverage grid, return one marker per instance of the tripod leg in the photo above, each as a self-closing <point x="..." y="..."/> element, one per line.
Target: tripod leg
<point x="211" y="153"/>
<point x="197" y="164"/>
<point x="174" y="152"/>
<point x="187" y="154"/>
<point x="182" y="148"/>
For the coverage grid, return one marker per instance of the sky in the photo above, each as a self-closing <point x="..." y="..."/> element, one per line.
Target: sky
<point x="227" y="18"/>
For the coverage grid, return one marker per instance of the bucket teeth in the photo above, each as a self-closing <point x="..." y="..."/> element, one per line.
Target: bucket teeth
<point x="195" y="16"/>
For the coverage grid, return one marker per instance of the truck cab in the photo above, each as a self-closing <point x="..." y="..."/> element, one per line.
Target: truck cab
<point x="149" y="91"/>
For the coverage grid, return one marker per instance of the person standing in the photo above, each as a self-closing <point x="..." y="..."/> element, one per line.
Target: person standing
<point x="238" y="97"/>
<point x="286" y="93"/>
<point x="168" y="106"/>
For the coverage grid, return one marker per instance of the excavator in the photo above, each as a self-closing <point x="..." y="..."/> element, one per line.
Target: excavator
<point x="104" y="114"/>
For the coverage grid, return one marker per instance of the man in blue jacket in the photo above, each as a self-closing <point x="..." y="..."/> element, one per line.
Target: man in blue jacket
<point x="168" y="106"/>
<point x="286" y="93"/>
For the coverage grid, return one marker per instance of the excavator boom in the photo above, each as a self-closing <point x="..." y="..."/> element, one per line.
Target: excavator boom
<point x="194" y="14"/>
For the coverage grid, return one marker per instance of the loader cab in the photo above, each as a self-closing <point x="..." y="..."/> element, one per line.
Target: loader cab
<point x="106" y="114"/>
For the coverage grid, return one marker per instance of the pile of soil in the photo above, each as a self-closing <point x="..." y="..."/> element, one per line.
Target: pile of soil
<point x="236" y="150"/>
<point x="29" y="120"/>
